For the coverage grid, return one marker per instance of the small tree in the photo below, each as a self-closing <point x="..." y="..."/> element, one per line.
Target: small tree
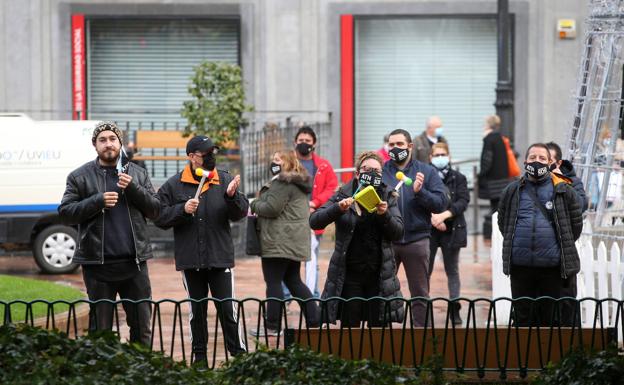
<point x="218" y="102"/>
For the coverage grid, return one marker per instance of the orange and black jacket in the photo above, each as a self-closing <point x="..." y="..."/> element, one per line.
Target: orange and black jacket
<point x="202" y="240"/>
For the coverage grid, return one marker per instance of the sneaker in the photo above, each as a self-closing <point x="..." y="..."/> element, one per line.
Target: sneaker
<point x="264" y="333"/>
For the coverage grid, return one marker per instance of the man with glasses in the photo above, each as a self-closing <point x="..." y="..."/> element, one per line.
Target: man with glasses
<point x="204" y="250"/>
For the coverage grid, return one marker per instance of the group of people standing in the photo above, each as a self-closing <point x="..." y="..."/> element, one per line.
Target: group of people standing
<point x="110" y="200"/>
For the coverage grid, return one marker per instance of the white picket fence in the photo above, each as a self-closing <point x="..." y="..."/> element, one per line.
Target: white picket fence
<point x="601" y="276"/>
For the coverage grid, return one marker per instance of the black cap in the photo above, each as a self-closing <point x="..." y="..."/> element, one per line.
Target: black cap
<point x="199" y="143"/>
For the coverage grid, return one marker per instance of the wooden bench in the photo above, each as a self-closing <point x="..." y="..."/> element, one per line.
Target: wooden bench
<point x="168" y="140"/>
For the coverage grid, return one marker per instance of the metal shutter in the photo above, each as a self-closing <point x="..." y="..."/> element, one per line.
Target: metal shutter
<point x="138" y="72"/>
<point x="408" y="69"/>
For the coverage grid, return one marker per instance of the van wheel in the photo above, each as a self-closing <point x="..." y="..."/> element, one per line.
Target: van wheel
<point x="54" y="249"/>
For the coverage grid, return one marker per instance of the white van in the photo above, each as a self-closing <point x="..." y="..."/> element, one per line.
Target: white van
<point x="35" y="159"/>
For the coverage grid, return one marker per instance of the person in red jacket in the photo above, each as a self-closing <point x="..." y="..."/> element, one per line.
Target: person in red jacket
<point x="325" y="184"/>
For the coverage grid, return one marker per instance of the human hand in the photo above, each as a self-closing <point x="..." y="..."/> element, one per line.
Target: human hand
<point x="441" y="226"/>
<point x="191" y="206"/>
<point x="231" y="189"/>
<point x="382" y="207"/>
<point x="419" y="181"/>
<point x="345" y="204"/>
<point x="436" y="219"/>
<point x="124" y="180"/>
<point x="110" y="199"/>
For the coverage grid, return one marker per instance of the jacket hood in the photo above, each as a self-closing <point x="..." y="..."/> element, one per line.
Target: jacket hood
<point x="567" y="169"/>
<point x="303" y="182"/>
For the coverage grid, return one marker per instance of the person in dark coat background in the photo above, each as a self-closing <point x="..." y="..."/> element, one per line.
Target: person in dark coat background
<point x="449" y="227"/>
<point x="565" y="168"/>
<point x="540" y="218"/>
<point x="493" y="170"/>
<point x="362" y="264"/>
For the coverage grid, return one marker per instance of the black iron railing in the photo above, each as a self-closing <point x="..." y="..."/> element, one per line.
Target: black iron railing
<point x="480" y="344"/>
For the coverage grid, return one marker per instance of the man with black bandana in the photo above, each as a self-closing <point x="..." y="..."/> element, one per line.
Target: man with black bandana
<point x="324" y="185"/>
<point x="540" y="218"/>
<point x="427" y="195"/>
<point x="109" y="199"/>
<point x="204" y="250"/>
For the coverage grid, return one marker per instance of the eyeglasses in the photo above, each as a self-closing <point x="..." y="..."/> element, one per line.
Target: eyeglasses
<point x="369" y="169"/>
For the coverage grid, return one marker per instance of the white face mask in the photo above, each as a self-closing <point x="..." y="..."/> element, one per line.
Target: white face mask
<point x="440" y="162"/>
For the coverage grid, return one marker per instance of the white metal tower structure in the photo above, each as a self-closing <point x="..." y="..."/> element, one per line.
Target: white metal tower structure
<point x="595" y="146"/>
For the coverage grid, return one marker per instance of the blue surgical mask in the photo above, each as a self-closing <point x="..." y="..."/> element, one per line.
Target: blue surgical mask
<point x="440" y="162"/>
<point x="439" y="131"/>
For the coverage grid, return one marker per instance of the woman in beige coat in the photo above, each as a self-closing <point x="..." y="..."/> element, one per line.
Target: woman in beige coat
<point x="283" y="211"/>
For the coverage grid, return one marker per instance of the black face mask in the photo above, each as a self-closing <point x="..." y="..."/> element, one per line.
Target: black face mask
<point x="275" y="168"/>
<point x="370" y="178"/>
<point x="398" y="155"/>
<point x="537" y="170"/>
<point x="304" y="149"/>
<point x="210" y="162"/>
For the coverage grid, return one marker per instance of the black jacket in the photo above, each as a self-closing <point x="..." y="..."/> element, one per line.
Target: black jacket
<point x="202" y="240"/>
<point x="567" y="216"/>
<point x="494" y="169"/>
<point x="392" y="224"/>
<point x="456" y="234"/>
<point x="83" y="205"/>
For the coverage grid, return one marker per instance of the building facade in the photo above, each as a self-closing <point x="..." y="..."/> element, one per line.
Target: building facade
<point x="368" y="66"/>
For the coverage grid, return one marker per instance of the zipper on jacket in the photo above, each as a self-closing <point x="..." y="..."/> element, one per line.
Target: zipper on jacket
<point x="103" y="222"/>
<point x="136" y="256"/>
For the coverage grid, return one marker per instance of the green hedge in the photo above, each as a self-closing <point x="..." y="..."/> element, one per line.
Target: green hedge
<point x="35" y="356"/>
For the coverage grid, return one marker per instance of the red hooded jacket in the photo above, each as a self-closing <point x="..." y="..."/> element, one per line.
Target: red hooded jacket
<point x="325" y="183"/>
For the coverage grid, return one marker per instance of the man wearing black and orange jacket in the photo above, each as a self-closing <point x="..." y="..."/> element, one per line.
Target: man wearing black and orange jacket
<point x="204" y="250"/>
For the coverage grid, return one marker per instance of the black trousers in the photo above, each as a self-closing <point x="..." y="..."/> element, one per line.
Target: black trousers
<point x="219" y="283"/>
<point x="537" y="282"/>
<point x="138" y="316"/>
<point x="363" y="284"/>
<point x="276" y="270"/>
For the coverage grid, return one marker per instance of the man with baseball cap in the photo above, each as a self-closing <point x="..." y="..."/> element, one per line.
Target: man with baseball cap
<point x="109" y="200"/>
<point x="204" y="250"/>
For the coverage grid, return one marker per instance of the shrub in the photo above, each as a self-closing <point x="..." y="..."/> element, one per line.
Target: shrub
<point x="36" y="356"/>
<point x="585" y="368"/>
<point x="302" y="366"/>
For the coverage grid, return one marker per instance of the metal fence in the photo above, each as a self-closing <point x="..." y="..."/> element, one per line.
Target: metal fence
<point x="262" y="138"/>
<point x="482" y="344"/>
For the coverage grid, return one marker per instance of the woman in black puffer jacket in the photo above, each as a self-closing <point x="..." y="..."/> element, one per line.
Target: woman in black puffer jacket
<point x="362" y="264"/>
